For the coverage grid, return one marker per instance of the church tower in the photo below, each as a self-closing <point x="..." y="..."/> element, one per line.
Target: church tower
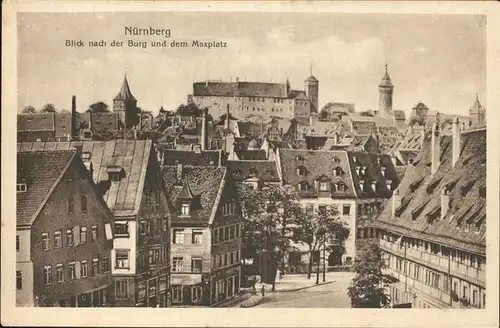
<point x="477" y="114"/>
<point x="125" y="105"/>
<point x="385" y="90"/>
<point x="312" y="89"/>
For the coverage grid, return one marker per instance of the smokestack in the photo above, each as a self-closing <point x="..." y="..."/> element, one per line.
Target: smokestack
<point x="445" y="202"/>
<point x="226" y="125"/>
<point x="204" y="138"/>
<point x="435" y="147"/>
<point x="455" y="141"/>
<point x="73" y="118"/>
<point x="396" y="201"/>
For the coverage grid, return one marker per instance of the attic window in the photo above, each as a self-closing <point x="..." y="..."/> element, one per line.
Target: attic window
<point x="416" y="211"/>
<point x="400" y="209"/>
<point x="433" y="213"/>
<point x="299" y="158"/>
<point x="301" y="170"/>
<point x="337" y="160"/>
<point x="354" y="160"/>
<point x="86" y="155"/>
<point x="363" y="170"/>
<point x="474" y="215"/>
<point x="304" y="186"/>
<point x="382" y="170"/>
<point x="362" y="185"/>
<point x="341" y="187"/>
<point x="358" y="169"/>
<point x="415" y="184"/>
<point x="433" y="184"/>
<point x="338" y="171"/>
<point x="451" y="184"/>
<point x="389" y="184"/>
<point x="253" y="171"/>
<point x="115" y="172"/>
<point x="185" y="209"/>
<point x="374" y="185"/>
<point x="467" y="187"/>
<point x="464" y="214"/>
<point x="21" y="187"/>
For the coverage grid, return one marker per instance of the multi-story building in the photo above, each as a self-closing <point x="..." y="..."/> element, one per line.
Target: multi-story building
<point x="127" y="175"/>
<point x="206" y="234"/>
<point x="355" y="183"/>
<point x="64" y="233"/>
<point x="433" y="235"/>
<point x="248" y="99"/>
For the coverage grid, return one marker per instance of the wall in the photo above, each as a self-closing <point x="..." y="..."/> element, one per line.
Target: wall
<point x="24" y="297"/>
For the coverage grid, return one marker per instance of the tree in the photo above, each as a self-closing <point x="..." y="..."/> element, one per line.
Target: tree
<point x="269" y="221"/>
<point x="368" y="287"/>
<point x="48" y="108"/>
<point x="99" y="107"/>
<point x="188" y="110"/>
<point x="28" y="109"/>
<point x="320" y="229"/>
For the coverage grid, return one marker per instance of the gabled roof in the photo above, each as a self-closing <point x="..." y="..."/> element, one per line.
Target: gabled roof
<point x="36" y="122"/>
<point x="122" y="197"/>
<point x="205" y="184"/>
<point x="41" y="171"/>
<point x="125" y="93"/>
<point x="476" y="107"/>
<point x="311" y="79"/>
<point x="466" y="183"/>
<point x="240" y="89"/>
<point x="203" y="158"/>
<point x="266" y="171"/>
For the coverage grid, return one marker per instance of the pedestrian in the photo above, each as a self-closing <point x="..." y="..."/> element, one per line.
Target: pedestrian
<point x="263" y="290"/>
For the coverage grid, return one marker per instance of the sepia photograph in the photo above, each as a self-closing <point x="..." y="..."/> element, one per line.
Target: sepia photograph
<point x="277" y="160"/>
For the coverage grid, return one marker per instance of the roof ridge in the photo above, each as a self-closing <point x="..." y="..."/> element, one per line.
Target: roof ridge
<point x="219" y="196"/>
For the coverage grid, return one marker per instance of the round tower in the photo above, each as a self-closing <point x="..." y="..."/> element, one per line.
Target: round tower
<point x="386" y="90"/>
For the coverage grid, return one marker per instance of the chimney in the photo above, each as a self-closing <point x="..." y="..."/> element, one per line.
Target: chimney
<point x="335" y="138"/>
<point x="204" y="138"/>
<point x="226" y="124"/>
<point x="179" y="171"/>
<point x="310" y="120"/>
<point x="445" y="202"/>
<point x="435" y="147"/>
<point x="73" y="131"/>
<point x="89" y="119"/>
<point x="455" y="130"/>
<point x="396" y="201"/>
<point x="229" y="143"/>
<point x="394" y="160"/>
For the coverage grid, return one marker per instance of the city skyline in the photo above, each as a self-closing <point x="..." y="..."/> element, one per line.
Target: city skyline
<point x="284" y="46"/>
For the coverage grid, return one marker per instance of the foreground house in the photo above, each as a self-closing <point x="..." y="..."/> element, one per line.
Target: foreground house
<point x="206" y="234"/>
<point x="127" y="176"/>
<point x="434" y="234"/>
<point x="64" y="235"/>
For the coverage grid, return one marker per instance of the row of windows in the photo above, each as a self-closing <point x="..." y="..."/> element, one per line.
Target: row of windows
<point x="223" y="234"/>
<point x="153" y="256"/>
<point x="178" y="264"/>
<point x="228" y="208"/>
<point x="324" y="187"/>
<point x="370" y="208"/>
<point x="148" y="197"/>
<point x="346" y="208"/>
<point x="74" y="270"/>
<point x="226" y="259"/>
<point x="83" y="204"/>
<point x="179" y="237"/>
<point x="302" y="171"/>
<point x="149" y="227"/>
<point x="73" y="237"/>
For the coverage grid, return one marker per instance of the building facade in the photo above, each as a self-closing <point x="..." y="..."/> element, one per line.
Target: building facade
<point x="206" y="234"/>
<point x="433" y="232"/>
<point x="127" y="175"/>
<point x="64" y="233"/>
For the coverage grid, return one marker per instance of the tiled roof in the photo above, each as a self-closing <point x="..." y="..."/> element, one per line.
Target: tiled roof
<point x="412" y="141"/>
<point x="204" y="183"/>
<point x="265" y="171"/>
<point x="41" y="171"/>
<point x="365" y="127"/>
<point x="36" y="122"/>
<point x="386" y="80"/>
<point x="464" y="224"/>
<point x="252" y="154"/>
<point x="252" y="130"/>
<point x="123" y="197"/>
<point x="321" y="128"/>
<point x="399" y="114"/>
<point x="240" y="89"/>
<point x="339" y="107"/>
<point x="325" y="163"/>
<point x="204" y="158"/>
<point x="125" y="92"/>
<point x="296" y="93"/>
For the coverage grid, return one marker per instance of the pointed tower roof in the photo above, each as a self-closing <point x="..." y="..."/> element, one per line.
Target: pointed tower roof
<point x="386" y="80"/>
<point x="125" y="93"/>
<point x="185" y="193"/>
<point x="311" y="78"/>
<point x="477" y="105"/>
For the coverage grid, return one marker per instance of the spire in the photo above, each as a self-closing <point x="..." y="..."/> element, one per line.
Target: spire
<point x="125" y="92"/>
<point x="386" y="80"/>
<point x="477" y="105"/>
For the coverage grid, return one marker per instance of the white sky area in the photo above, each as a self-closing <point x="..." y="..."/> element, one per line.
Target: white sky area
<point x="435" y="59"/>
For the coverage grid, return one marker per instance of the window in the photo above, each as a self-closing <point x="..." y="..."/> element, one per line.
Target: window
<point x="83" y="235"/>
<point x="60" y="272"/>
<point x="323" y="186"/>
<point x="237" y="230"/>
<point x="84" y="203"/>
<point x="177" y="294"/>
<point x="217" y="261"/>
<point x="71" y="270"/>
<point x="57" y="239"/>
<point x="84" y="269"/>
<point x="464" y="294"/>
<point x="196" y="264"/>
<point x="45" y="241"/>
<point x="142" y="227"/>
<point x="178" y="236"/>
<point x="231" y="232"/>
<point x="95" y="266"/>
<point x="322" y="208"/>
<point x="121" y="229"/>
<point x="122" y="259"/>
<point x="71" y="204"/>
<point x="47" y="275"/>
<point x="185" y="209"/>
<point x="301" y="171"/>
<point x="304" y="186"/>
<point x="69" y="237"/>
<point x="153" y="256"/>
<point x="19" y="280"/>
<point x="105" y="264"/>
<point x="226" y="233"/>
<point x="121" y="289"/>
<point x="197" y="235"/>
<point x="196" y="294"/>
<point x="17" y="243"/>
<point x="216" y="236"/>
<point x="474" y="298"/>
<point x="225" y="259"/>
<point x="21" y="187"/>
<point x="346" y="209"/>
<point x="94" y="233"/>
<point x="177" y="264"/>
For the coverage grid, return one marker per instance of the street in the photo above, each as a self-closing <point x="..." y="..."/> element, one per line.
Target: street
<point x="333" y="295"/>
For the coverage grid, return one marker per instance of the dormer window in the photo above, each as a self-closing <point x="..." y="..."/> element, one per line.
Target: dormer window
<point x="304" y="186"/>
<point x="323" y="186"/>
<point x="363" y="170"/>
<point x="362" y="185"/>
<point x="86" y="156"/>
<point x="21" y="187"/>
<point x="382" y="170"/>
<point x="299" y="158"/>
<point x="336" y="160"/>
<point x="341" y="187"/>
<point x="374" y="185"/>
<point x="389" y="184"/>
<point x="301" y="170"/>
<point x="185" y="209"/>
<point x="115" y="172"/>
<point x="354" y="160"/>
<point x="337" y="171"/>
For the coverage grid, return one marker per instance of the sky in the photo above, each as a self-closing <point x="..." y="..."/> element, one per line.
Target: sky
<point x="439" y="60"/>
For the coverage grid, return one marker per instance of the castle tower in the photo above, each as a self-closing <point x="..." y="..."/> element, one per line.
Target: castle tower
<point x="477" y="113"/>
<point x="125" y="105"/>
<point x="312" y="90"/>
<point x="385" y="90"/>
